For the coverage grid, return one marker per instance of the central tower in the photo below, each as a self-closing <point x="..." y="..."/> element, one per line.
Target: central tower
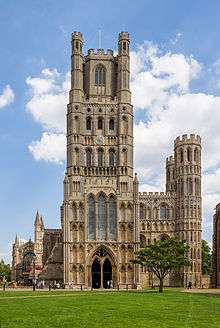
<point x="99" y="212"/>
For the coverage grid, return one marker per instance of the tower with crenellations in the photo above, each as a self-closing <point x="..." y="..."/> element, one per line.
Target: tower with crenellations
<point x="98" y="215"/>
<point x="188" y="200"/>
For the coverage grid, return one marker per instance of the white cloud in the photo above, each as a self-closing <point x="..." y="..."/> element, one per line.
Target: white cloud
<point x="51" y="148"/>
<point x="7" y="96"/>
<point x="49" y="95"/>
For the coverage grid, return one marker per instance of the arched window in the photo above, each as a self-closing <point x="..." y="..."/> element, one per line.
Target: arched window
<point x="112" y="218"/>
<point x="124" y="125"/>
<point x="91" y="218"/>
<point x="111" y="124"/>
<point x="164" y="237"/>
<point x="101" y="217"/>
<point x="181" y="155"/>
<point x="196" y="154"/>
<point x="189" y="186"/>
<point x="111" y="157"/>
<point x="142" y="212"/>
<point x="81" y="212"/>
<point x="100" y="75"/>
<point x="100" y="157"/>
<point x="76" y="156"/>
<point x="100" y="124"/>
<point x="88" y="123"/>
<point x="168" y="175"/>
<point x="88" y="157"/>
<point x="163" y="212"/>
<point x="74" y="209"/>
<point x="124" y="157"/>
<point x="189" y="155"/>
<point x="142" y="241"/>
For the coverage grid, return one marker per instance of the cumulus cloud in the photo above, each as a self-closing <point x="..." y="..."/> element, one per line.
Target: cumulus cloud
<point x="7" y="96"/>
<point x="51" y="148"/>
<point x="49" y="94"/>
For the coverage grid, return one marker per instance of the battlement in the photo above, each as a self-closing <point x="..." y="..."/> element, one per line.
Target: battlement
<point x="100" y="52"/>
<point x="170" y="160"/>
<point x="123" y="36"/>
<point x="187" y="139"/>
<point x="77" y="35"/>
<point x="156" y="194"/>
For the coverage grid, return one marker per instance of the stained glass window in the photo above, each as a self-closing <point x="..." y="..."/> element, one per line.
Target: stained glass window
<point x="100" y="157"/>
<point x="101" y="217"/>
<point x="111" y="157"/>
<point x="100" y="75"/>
<point x="91" y="218"/>
<point x="88" y="157"/>
<point x="112" y="218"/>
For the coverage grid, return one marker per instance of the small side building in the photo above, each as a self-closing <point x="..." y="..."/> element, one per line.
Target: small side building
<point x="39" y="259"/>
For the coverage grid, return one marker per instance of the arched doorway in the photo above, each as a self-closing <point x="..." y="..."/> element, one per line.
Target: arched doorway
<point x="103" y="270"/>
<point x="107" y="273"/>
<point x="96" y="274"/>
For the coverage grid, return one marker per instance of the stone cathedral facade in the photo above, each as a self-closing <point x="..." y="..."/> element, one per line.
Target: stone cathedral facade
<point x="104" y="217"/>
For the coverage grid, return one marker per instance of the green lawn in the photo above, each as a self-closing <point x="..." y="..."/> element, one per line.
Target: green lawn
<point x="109" y="309"/>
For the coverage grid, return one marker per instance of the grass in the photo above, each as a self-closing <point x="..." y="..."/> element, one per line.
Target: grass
<point x="147" y="309"/>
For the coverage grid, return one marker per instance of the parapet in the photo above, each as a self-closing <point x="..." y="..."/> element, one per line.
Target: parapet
<point x="155" y="194"/>
<point x="187" y="139"/>
<point x="100" y="52"/>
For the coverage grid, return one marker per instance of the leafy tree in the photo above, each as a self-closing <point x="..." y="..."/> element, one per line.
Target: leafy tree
<point x="164" y="256"/>
<point x="5" y="270"/>
<point x="206" y="257"/>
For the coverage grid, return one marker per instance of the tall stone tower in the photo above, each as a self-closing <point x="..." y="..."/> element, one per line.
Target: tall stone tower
<point x="99" y="214"/>
<point x="38" y="239"/>
<point x="187" y="176"/>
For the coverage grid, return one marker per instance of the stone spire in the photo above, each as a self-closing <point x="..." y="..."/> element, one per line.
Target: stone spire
<point x="37" y="219"/>
<point x="42" y="222"/>
<point x="16" y="240"/>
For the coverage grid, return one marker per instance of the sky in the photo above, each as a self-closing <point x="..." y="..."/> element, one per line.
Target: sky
<point x="175" y="83"/>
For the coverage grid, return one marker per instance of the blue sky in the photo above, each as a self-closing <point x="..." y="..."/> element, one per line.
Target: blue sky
<point x="35" y="35"/>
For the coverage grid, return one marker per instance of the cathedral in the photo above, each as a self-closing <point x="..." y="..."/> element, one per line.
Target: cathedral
<point x="104" y="217"/>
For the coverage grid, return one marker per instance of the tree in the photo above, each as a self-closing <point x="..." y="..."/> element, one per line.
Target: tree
<point x="164" y="256"/>
<point x="5" y="270"/>
<point x="206" y="258"/>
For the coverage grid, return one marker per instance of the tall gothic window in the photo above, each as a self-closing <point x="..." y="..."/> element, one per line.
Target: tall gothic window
<point x="142" y="212"/>
<point x="112" y="218"/>
<point x="142" y="241"/>
<point x="111" y="157"/>
<point x="100" y="124"/>
<point x="100" y="75"/>
<point x="91" y="218"/>
<point x="196" y="154"/>
<point x="88" y="157"/>
<point x="111" y="124"/>
<point x="101" y="218"/>
<point x="189" y="154"/>
<point x="181" y="155"/>
<point x="88" y="123"/>
<point x="163" y="212"/>
<point x="100" y="157"/>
